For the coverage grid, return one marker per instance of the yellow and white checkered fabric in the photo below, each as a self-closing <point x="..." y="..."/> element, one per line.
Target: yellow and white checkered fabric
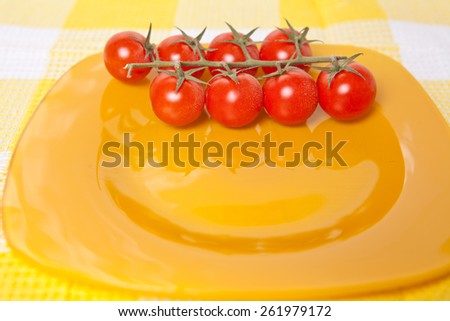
<point x="41" y="39"/>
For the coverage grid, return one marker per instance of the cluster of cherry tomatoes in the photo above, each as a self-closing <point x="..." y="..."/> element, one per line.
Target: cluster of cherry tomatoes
<point x="235" y="98"/>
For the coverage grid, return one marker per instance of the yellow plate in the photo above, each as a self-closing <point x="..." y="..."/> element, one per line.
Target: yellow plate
<point x="231" y="232"/>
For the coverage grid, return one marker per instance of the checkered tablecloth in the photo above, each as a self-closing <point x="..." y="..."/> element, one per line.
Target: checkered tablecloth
<point x="41" y="39"/>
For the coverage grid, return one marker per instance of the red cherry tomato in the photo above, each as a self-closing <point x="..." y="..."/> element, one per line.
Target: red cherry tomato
<point x="229" y="52"/>
<point x="349" y="95"/>
<point x="291" y="97"/>
<point x="176" y="108"/>
<point x="123" y="48"/>
<point x="169" y="50"/>
<point x="234" y="104"/>
<point x="274" y="49"/>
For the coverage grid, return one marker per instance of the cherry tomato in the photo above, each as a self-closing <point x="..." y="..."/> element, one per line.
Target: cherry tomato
<point x="291" y="97"/>
<point x="170" y="49"/>
<point x="274" y="48"/>
<point x="176" y="108"/>
<point x="123" y="48"/>
<point x="349" y="95"/>
<point x="229" y="52"/>
<point x="234" y="104"/>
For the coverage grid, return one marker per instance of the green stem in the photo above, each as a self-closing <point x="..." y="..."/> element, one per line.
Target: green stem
<point x="238" y="64"/>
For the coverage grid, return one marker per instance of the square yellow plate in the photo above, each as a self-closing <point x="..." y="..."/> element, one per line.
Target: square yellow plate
<point x="232" y="232"/>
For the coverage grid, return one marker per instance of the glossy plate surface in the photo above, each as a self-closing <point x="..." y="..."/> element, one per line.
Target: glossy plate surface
<point x="232" y="232"/>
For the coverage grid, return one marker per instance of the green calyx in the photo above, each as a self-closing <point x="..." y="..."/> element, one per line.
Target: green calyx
<point x="194" y="43"/>
<point x="182" y="75"/>
<point x="227" y="72"/>
<point x="150" y="48"/>
<point x="242" y="40"/>
<point x="298" y="38"/>
<point x="338" y="65"/>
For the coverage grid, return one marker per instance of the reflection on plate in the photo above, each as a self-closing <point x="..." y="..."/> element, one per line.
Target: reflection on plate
<point x="230" y="232"/>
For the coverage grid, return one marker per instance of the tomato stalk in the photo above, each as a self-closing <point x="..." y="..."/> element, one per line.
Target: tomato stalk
<point x="239" y="64"/>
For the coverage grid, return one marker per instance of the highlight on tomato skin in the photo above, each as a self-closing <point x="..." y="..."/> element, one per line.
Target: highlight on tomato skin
<point x="275" y="47"/>
<point x="176" y="107"/>
<point x="290" y="98"/>
<point x="349" y="96"/>
<point x="124" y="48"/>
<point x="234" y="104"/>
